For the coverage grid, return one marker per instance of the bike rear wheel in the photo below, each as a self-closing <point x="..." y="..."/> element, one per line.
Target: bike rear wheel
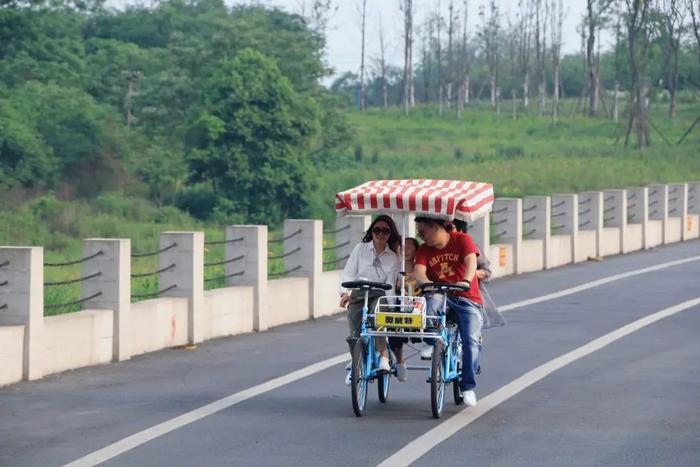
<point x="383" y="386"/>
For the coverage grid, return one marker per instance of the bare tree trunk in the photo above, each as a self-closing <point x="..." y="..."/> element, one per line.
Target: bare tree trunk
<point x="524" y="45"/>
<point x="465" y="57"/>
<point x="498" y="101"/>
<point x="555" y="98"/>
<point x="131" y="78"/>
<point x="592" y="72"/>
<point x="382" y="65"/>
<point x="490" y="27"/>
<point x="466" y="90"/>
<point x="440" y="77"/>
<point x="694" y="7"/>
<point x="538" y="47"/>
<point x="450" y="64"/>
<point x="673" y="22"/>
<point x="363" y="95"/>
<point x="557" y="10"/>
<point x="407" y="6"/>
<point x="515" y="105"/>
<point x="526" y="91"/>
<point x="638" y="40"/>
<point x="615" y="102"/>
<point x="460" y="101"/>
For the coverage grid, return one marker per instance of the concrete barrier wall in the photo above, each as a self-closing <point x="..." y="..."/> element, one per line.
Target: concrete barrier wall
<point x="11" y="354"/>
<point x="158" y="324"/>
<point x="674" y="229"/>
<point x="655" y="233"/>
<point x="560" y="252"/>
<point x="587" y="247"/>
<point x="288" y="300"/>
<point x="502" y="263"/>
<point x="111" y="328"/>
<point x="633" y="237"/>
<point x="329" y="298"/>
<point x="227" y="311"/>
<point x="691" y="226"/>
<point x="610" y="241"/>
<point x="532" y="256"/>
<point x="76" y="340"/>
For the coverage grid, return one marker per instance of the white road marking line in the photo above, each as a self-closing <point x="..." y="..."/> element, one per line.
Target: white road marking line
<point x="596" y="283"/>
<point x="424" y="443"/>
<point x="130" y="442"/>
<point x="148" y="434"/>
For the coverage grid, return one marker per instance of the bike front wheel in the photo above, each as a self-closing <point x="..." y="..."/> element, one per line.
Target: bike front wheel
<point x="358" y="376"/>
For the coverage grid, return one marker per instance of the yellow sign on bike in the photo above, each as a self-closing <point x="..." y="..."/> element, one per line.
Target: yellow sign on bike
<point x="399" y="320"/>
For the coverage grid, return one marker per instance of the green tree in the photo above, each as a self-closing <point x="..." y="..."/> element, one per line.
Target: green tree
<point x="250" y="143"/>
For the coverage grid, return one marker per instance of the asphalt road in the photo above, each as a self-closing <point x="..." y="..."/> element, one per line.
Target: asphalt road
<point x="634" y="401"/>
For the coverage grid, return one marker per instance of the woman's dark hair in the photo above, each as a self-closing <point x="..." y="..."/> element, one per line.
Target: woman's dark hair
<point x="394" y="235"/>
<point x="447" y="225"/>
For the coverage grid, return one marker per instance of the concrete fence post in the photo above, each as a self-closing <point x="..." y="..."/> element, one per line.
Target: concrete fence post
<point x="186" y="277"/>
<point x="590" y="216"/>
<point x="111" y="289"/>
<point x="22" y="302"/>
<point x="615" y="213"/>
<point x="507" y="224"/>
<point x="479" y="231"/>
<point x="678" y="205"/>
<point x="565" y="219"/>
<point x="694" y="198"/>
<point x="638" y="211"/>
<point x="658" y="208"/>
<point x="537" y="224"/>
<point x="305" y="239"/>
<point x="693" y="207"/>
<point x="251" y="270"/>
<point x="349" y="232"/>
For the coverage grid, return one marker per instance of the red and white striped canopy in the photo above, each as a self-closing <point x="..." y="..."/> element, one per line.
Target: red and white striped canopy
<point x="445" y="199"/>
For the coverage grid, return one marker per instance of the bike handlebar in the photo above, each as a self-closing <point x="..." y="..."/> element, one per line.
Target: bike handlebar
<point x="366" y="285"/>
<point x="444" y="287"/>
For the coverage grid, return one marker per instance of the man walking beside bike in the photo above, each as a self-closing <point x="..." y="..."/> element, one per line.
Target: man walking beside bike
<point x="449" y="256"/>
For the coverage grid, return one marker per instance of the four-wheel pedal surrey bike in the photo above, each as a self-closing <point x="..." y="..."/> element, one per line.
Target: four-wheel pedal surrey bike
<point x="407" y="316"/>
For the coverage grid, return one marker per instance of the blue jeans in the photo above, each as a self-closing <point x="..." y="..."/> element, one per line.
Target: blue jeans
<point x="469" y="318"/>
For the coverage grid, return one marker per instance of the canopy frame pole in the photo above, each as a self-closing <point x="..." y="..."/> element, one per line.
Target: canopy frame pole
<point x="404" y="229"/>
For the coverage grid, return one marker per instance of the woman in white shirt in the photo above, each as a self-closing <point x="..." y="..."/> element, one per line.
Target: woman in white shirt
<point x="374" y="259"/>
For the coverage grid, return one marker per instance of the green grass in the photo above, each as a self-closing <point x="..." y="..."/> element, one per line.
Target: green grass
<point x="520" y="157"/>
<point x="59" y="226"/>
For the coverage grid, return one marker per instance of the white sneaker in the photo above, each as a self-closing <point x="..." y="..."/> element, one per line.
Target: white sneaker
<point x="469" y="398"/>
<point x="401" y="372"/>
<point x="348" y="379"/>
<point x="426" y="353"/>
<point x="384" y="364"/>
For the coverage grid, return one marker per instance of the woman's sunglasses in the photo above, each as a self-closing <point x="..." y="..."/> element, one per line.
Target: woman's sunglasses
<point x="381" y="231"/>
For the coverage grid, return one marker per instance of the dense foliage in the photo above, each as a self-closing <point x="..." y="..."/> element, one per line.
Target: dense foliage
<point x="214" y="109"/>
